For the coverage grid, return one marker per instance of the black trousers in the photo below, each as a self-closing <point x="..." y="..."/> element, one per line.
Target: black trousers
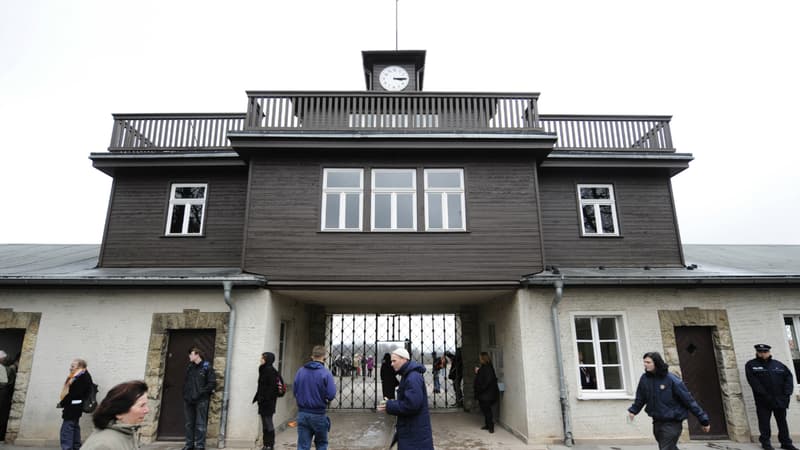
<point x="486" y="409"/>
<point x="667" y="434"/>
<point x="268" y="430"/>
<point x="764" y="412"/>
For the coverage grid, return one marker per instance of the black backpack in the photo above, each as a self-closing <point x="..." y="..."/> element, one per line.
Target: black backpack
<point x="89" y="403"/>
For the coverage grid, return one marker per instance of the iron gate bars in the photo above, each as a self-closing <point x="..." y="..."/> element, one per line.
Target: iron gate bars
<point x="358" y="342"/>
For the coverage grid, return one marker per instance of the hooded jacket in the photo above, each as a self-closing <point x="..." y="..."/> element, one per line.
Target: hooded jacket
<point x="414" y="430"/>
<point x="267" y="391"/>
<point x="313" y="388"/>
<point x="117" y="436"/>
<point x="667" y="399"/>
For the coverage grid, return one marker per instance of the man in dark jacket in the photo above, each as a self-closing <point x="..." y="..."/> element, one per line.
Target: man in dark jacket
<point x="772" y="386"/>
<point x="75" y="390"/>
<point x="414" y="430"/>
<point x="314" y="387"/>
<point x="668" y="402"/>
<point x="457" y="375"/>
<point x="197" y="388"/>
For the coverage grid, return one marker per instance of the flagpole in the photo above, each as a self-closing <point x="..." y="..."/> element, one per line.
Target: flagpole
<point x="396" y="47"/>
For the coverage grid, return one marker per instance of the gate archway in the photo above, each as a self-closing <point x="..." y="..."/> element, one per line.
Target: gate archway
<point x="357" y="343"/>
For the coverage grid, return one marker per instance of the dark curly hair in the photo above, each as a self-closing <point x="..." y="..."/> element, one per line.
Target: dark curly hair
<point x="119" y="400"/>
<point x="661" y="367"/>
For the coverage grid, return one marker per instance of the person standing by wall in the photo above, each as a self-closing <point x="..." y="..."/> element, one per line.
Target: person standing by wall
<point x="75" y="389"/>
<point x="267" y="397"/>
<point x="486" y="390"/>
<point x="668" y="402"/>
<point x="314" y="387"/>
<point x="414" y="430"/>
<point x="198" y="385"/>
<point x="8" y="376"/>
<point x="772" y="386"/>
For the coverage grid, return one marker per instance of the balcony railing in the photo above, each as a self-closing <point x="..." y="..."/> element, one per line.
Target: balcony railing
<point x="370" y="112"/>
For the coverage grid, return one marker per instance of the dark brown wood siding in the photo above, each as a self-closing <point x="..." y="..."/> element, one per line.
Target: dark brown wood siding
<point x="648" y="234"/>
<point x="284" y="241"/>
<point x="138" y="212"/>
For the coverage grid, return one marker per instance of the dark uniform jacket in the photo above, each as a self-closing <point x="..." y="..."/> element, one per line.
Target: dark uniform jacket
<point x="199" y="383"/>
<point x="73" y="401"/>
<point x="771" y="381"/>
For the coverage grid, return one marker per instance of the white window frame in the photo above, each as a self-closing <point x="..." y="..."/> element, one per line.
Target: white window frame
<point x="342" y="192"/>
<point x="626" y="368"/>
<point x="596" y="204"/>
<point x="187" y="204"/>
<point x="394" y="191"/>
<point x="446" y="192"/>
<point x="795" y="317"/>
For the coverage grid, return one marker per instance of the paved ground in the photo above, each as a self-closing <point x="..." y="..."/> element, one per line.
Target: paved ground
<point x="452" y="431"/>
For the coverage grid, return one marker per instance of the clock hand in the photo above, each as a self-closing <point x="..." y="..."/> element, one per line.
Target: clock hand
<point x="401" y="78"/>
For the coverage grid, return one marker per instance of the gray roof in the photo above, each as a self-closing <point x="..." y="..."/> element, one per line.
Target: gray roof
<point x="705" y="264"/>
<point x="37" y="264"/>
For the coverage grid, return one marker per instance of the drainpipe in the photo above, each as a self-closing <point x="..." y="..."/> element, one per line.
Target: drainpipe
<point x="227" y="286"/>
<point x="562" y="385"/>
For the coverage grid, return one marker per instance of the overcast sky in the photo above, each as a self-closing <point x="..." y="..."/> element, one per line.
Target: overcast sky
<point x="726" y="71"/>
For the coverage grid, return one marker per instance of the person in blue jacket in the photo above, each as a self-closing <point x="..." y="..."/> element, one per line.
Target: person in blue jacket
<point x="414" y="430"/>
<point x="668" y="402"/>
<point x="772" y="385"/>
<point x="313" y="388"/>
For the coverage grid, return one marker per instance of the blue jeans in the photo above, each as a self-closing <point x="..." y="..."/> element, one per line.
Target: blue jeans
<point x="70" y="434"/>
<point x="195" y="422"/>
<point x="309" y="425"/>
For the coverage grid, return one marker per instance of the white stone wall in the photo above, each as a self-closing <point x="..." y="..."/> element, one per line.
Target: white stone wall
<point x="110" y="328"/>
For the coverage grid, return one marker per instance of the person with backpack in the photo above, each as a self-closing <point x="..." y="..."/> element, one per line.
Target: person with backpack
<point x="270" y="387"/>
<point x="198" y="385"/>
<point x="76" y="389"/>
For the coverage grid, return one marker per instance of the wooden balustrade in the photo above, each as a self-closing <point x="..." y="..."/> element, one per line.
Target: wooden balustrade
<point x="414" y="112"/>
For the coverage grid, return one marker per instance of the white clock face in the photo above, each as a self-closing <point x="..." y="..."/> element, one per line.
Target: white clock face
<point x="394" y="78"/>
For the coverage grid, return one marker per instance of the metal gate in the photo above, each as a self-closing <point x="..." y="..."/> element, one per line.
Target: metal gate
<point x="358" y="342"/>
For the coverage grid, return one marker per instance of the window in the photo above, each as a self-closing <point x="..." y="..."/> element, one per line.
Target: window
<point x="394" y="200"/>
<point x="792" y="325"/>
<point x="600" y="353"/>
<point x="342" y="197"/>
<point x="282" y="345"/>
<point x="598" y="212"/>
<point x="186" y="209"/>
<point x="444" y="200"/>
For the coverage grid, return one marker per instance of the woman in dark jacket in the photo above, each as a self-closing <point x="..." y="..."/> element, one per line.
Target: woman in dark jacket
<point x="388" y="378"/>
<point x="267" y="396"/>
<point x="486" y="390"/>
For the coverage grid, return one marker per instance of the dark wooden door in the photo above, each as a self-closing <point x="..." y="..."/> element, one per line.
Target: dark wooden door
<point x="11" y="343"/>
<point x="699" y="369"/>
<point x="170" y="420"/>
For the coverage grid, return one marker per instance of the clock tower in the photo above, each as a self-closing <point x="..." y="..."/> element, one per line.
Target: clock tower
<point x="394" y="70"/>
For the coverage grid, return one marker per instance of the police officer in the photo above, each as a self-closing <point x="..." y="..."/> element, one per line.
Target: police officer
<point x="772" y="385"/>
<point x="197" y="388"/>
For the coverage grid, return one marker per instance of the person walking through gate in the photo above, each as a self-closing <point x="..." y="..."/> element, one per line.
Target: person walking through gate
<point x="668" y="402"/>
<point x="267" y="397"/>
<point x="772" y="386"/>
<point x="198" y="385"/>
<point x="456" y="375"/>
<point x="314" y="388"/>
<point x="486" y="390"/>
<point x="75" y="389"/>
<point x="413" y="430"/>
<point x="388" y="378"/>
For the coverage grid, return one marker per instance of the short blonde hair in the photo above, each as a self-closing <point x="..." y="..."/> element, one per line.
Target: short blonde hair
<point x="485" y="358"/>
<point x="319" y="351"/>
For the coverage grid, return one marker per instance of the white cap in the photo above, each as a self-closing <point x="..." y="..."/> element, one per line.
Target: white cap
<point x="401" y="352"/>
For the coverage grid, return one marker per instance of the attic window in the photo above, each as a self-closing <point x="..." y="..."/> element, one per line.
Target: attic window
<point x="598" y="211"/>
<point x="187" y="204"/>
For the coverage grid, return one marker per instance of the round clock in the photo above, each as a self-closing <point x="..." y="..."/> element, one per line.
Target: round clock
<point x="394" y="78"/>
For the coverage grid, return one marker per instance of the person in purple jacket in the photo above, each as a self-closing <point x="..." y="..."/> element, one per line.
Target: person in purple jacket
<point x="411" y="407"/>
<point x="313" y="388"/>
